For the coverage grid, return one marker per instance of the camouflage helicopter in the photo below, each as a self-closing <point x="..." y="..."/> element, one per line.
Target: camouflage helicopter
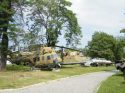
<point x="44" y="57"/>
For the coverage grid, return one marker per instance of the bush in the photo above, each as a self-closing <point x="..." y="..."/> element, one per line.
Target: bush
<point x="17" y="68"/>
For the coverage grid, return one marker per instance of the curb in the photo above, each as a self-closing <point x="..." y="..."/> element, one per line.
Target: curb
<point x="99" y="85"/>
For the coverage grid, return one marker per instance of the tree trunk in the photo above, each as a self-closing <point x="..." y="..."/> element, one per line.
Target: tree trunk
<point x="4" y="42"/>
<point x="4" y="49"/>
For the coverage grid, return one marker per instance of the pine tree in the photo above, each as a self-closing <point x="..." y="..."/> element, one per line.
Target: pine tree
<point x="6" y="13"/>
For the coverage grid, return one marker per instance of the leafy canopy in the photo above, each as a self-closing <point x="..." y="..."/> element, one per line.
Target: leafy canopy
<point x="106" y="46"/>
<point x="53" y="18"/>
<point x="101" y="46"/>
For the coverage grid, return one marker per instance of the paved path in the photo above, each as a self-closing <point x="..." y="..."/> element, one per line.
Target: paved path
<point x="79" y="84"/>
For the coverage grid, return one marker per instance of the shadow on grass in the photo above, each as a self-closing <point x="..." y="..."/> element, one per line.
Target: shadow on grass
<point x="45" y="69"/>
<point x="108" y="70"/>
<point x="68" y="67"/>
<point x="123" y="82"/>
<point x="119" y="75"/>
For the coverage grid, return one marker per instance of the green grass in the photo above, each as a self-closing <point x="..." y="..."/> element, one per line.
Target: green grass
<point x="23" y="77"/>
<point x="17" y="68"/>
<point x="114" y="84"/>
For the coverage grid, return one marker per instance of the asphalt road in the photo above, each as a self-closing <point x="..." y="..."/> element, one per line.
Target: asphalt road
<point x="79" y="84"/>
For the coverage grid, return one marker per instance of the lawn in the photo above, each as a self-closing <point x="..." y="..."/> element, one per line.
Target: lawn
<point x="16" y="77"/>
<point x="114" y="84"/>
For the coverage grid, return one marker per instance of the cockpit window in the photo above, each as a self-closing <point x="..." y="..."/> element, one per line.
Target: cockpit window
<point x="48" y="57"/>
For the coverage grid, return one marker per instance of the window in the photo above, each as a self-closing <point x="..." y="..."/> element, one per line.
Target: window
<point x="48" y="57"/>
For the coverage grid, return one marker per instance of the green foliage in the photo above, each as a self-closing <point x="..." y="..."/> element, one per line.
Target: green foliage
<point x="45" y="21"/>
<point x="122" y="31"/>
<point x="118" y="50"/>
<point x="8" y="9"/>
<point x="55" y="18"/>
<point x="101" y="46"/>
<point x="114" y="84"/>
<point x="6" y="13"/>
<point x="106" y="46"/>
<point x="17" y="68"/>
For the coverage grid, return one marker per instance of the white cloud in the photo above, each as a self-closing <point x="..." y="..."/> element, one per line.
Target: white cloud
<point x="104" y="15"/>
<point x="100" y="12"/>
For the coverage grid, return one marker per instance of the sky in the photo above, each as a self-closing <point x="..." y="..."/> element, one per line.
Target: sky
<point x="99" y="15"/>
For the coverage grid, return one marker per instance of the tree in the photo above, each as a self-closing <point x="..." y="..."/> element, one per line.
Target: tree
<point x="122" y="31"/>
<point x="46" y="20"/>
<point x="106" y="46"/>
<point x="101" y="46"/>
<point x="54" y="18"/>
<point x="119" y="48"/>
<point x="6" y="13"/>
<point x="8" y="8"/>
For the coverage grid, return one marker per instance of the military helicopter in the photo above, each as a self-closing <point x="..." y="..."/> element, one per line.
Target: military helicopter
<point x="42" y="57"/>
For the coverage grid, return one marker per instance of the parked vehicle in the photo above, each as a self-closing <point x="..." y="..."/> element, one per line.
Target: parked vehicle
<point x="120" y="65"/>
<point x="98" y="62"/>
<point x="102" y="61"/>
